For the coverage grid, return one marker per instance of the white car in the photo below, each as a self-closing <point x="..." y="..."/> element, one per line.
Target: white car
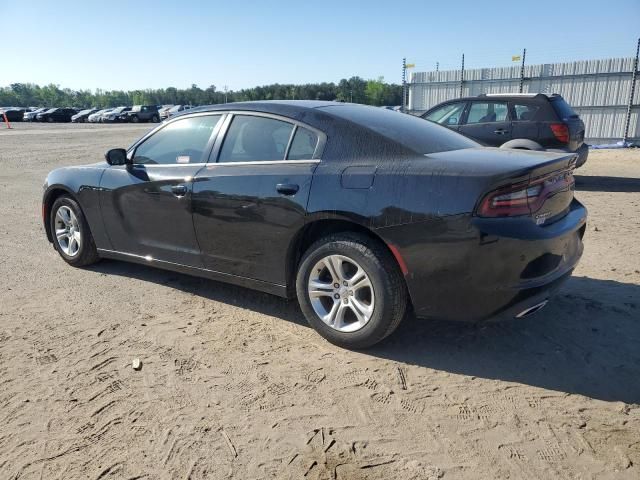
<point x="95" y="117"/>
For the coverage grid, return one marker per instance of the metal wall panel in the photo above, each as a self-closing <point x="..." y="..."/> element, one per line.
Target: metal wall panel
<point x="597" y="89"/>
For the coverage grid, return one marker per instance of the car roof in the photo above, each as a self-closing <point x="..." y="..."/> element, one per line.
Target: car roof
<point x="505" y="96"/>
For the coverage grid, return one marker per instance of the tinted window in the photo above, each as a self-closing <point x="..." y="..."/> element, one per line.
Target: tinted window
<point x="255" y="138"/>
<point x="413" y="132"/>
<point x="182" y="141"/>
<point x="447" y="115"/>
<point x="483" y="112"/>
<point x="525" y="112"/>
<point x="562" y="108"/>
<point x="303" y="145"/>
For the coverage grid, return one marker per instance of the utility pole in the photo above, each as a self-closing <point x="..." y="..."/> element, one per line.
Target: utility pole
<point x="437" y="66"/>
<point x="524" y="54"/>
<point x="462" y="76"/>
<point x="634" y="77"/>
<point x="225" y="94"/>
<point x="404" y="84"/>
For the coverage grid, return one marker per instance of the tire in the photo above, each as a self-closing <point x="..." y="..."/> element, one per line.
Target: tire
<point x="386" y="298"/>
<point x="50" y="119"/>
<point x="135" y="119"/>
<point x="86" y="252"/>
<point x="155" y="119"/>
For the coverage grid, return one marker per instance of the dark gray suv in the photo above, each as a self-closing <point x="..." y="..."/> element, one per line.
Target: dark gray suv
<point x="141" y="113"/>
<point x="524" y="121"/>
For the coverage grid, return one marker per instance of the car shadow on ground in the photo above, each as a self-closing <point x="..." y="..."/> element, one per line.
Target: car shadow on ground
<point x="587" y="341"/>
<point x="596" y="183"/>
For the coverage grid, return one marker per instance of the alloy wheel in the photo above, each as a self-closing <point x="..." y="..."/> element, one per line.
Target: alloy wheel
<point x="341" y="293"/>
<point x="67" y="231"/>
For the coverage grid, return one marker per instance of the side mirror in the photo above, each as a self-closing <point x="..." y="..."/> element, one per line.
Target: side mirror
<point x="116" y="156"/>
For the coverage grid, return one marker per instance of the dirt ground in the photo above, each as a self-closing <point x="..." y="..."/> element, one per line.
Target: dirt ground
<point x="234" y="384"/>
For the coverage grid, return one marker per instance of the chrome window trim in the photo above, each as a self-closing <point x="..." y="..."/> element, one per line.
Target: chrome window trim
<point x="262" y="162"/>
<point x="212" y="150"/>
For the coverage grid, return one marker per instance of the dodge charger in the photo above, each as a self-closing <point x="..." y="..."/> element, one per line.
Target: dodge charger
<point x="361" y="213"/>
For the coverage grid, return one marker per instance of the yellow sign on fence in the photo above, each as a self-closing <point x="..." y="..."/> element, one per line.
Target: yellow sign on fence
<point x="516" y="58"/>
<point x="410" y="65"/>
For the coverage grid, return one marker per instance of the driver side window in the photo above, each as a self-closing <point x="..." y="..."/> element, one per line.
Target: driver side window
<point x="182" y="141"/>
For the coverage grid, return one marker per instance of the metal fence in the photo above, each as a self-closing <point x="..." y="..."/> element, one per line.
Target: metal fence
<point x="600" y="91"/>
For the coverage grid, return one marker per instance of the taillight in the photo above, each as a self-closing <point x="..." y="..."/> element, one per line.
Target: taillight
<point x="524" y="198"/>
<point x="560" y="131"/>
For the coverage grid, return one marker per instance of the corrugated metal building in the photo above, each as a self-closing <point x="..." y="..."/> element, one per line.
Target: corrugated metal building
<point x="598" y="90"/>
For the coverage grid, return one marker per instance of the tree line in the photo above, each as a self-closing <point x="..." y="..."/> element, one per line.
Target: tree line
<point x="355" y="89"/>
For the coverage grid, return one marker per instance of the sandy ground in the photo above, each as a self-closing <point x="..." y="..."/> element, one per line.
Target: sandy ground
<point x="235" y="385"/>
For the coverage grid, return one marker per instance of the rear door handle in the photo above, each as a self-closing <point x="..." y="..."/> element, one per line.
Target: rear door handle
<point x="179" y="190"/>
<point x="287" y="188"/>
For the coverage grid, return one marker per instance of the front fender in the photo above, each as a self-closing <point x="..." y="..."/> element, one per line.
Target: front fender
<point x="83" y="185"/>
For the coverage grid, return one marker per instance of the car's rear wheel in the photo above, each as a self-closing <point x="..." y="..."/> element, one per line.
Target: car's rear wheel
<point x="71" y="234"/>
<point x="135" y="119"/>
<point x="351" y="290"/>
<point x="50" y="119"/>
<point x="155" y="119"/>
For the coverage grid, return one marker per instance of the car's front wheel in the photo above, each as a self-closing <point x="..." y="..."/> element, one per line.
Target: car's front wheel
<point x="72" y="238"/>
<point x="351" y="290"/>
<point x="155" y="119"/>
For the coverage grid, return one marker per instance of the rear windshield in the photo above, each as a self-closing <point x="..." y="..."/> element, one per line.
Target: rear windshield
<point x="415" y="133"/>
<point x="562" y="108"/>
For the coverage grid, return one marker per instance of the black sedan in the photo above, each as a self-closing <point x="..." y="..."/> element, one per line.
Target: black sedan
<point x="358" y="211"/>
<point x="56" y="115"/>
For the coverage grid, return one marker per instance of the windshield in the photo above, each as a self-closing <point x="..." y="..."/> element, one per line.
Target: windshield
<point x="136" y="108"/>
<point x="84" y="112"/>
<point x="51" y="110"/>
<point x="175" y="109"/>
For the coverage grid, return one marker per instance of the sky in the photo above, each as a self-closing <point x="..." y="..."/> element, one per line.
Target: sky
<point x="120" y="44"/>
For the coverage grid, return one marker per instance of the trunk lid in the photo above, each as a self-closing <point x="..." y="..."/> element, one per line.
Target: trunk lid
<point x="502" y="175"/>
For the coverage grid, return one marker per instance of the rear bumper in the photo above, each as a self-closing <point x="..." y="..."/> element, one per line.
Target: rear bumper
<point x="472" y="269"/>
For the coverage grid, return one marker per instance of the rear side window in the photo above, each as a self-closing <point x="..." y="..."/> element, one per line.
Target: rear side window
<point x="252" y="139"/>
<point x="525" y="112"/>
<point x="447" y="115"/>
<point x="562" y="108"/>
<point x="182" y="141"/>
<point x="413" y="132"/>
<point x="487" y="112"/>
<point x="303" y="145"/>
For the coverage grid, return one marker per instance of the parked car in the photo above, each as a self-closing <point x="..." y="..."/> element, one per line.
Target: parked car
<point x="31" y="116"/>
<point x="173" y="110"/>
<point x="524" y="121"/>
<point x="95" y="117"/>
<point x="56" y="115"/>
<point x="357" y="210"/>
<point x="113" y="115"/>
<point x="14" y="114"/>
<point x="83" y="115"/>
<point x="141" y="113"/>
<point x="162" y="110"/>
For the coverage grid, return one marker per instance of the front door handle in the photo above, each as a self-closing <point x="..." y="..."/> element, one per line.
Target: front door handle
<point x="287" y="188"/>
<point x="179" y="190"/>
<point x="501" y="131"/>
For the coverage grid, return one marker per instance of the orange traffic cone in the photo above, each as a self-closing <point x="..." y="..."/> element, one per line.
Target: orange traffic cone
<point x="6" y="120"/>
